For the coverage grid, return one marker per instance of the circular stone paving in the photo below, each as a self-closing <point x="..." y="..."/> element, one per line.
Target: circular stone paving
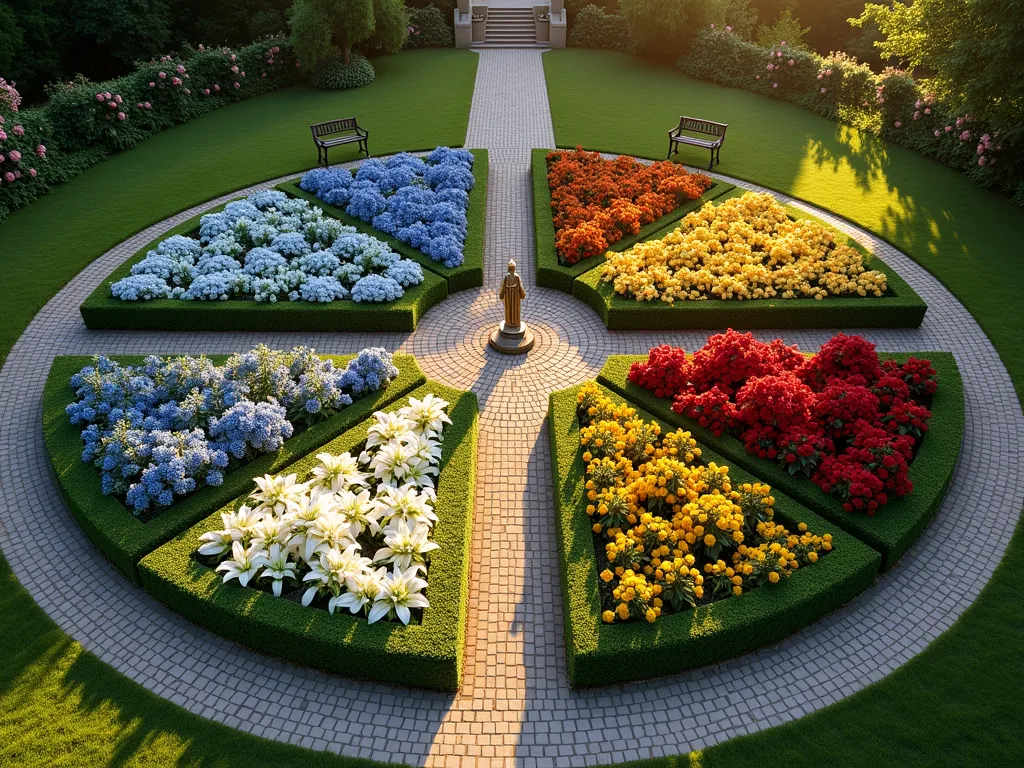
<point x="515" y="704"/>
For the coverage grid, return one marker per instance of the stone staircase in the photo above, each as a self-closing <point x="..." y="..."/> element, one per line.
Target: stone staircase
<point x="510" y="28"/>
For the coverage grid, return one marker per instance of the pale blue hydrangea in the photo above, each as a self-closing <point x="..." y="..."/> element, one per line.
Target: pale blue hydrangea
<point x="180" y="248"/>
<point x="224" y="244"/>
<point x="215" y="263"/>
<point x="140" y="288"/>
<point x="318" y="263"/>
<point x="372" y="170"/>
<point x="241" y="209"/>
<point x="377" y="256"/>
<point x="348" y="273"/>
<point x="166" y="268"/>
<point x="375" y="289"/>
<point x="405" y="272"/>
<point x="290" y="244"/>
<point x="249" y="429"/>
<point x="322" y="290"/>
<point x="448" y="156"/>
<point x="263" y="262"/>
<point x="217" y="286"/>
<point x="267" y="198"/>
<point x="213" y="224"/>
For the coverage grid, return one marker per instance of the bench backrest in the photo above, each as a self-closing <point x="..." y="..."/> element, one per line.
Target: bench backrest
<point x="333" y="126"/>
<point x="707" y="127"/>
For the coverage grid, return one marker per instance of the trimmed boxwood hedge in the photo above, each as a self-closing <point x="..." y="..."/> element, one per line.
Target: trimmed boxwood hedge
<point x="470" y="274"/>
<point x="112" y="527"/>
<point x="426" y="655"/>
<point x="602" y="654"/>
<point x="898" y="524"/>
<point x="551" y="273"/>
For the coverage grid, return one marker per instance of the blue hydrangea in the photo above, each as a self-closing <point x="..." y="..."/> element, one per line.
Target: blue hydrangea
<point x="321" y="180"/>
<point x="446" y="250"/>
<point x="377" y="256"/>
<point x="416" y="234"/>
<point x="452" y="176"/>
<point x="444" y="229"/>
<point x="375" y="289"/>
<point x="370" y="370"/>
<point x="318" y="263"/>
<point x="385" y="222"/>
<point x="350" y="245"/>
<point x="213" y="224"/>
<point x="263" y="262"/>
<point x="457" y="197"/>
<point x="322" y="290"/>
<point x="248" y="429"/>
<point x="267" y="198"/>
<point x="407" y="160"/>
<point x="224" y="244"/>
<point x="365" y="204"/>
<point x="405" y="272"/>
<point x="339" y="196"/>
<point x="372" y="170"/>
<point x="348" y="273"/>
<point x="217" y="286"/>
<point x="449" y="156"/>
<point x="215" y="263"/>
<point x="290" y="244"/>
<point x="241" y="209"/>
<point x="166" y="268"/>
<point x="140" y="288"/>
<point x="180" y="248"/>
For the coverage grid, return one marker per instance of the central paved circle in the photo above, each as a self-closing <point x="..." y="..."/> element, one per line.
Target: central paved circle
<point x="515" y="705"/>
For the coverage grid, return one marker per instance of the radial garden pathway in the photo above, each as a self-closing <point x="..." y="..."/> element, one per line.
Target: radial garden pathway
<point x="515" y="705"/>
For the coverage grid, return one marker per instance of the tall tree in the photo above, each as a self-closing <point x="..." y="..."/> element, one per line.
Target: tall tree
<point x="320" y="26"/>
<point x="972" y="49"/>
<point x="663" y="28"/>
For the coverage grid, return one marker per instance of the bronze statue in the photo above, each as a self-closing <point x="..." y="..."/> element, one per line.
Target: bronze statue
<point x="512" y="336"/>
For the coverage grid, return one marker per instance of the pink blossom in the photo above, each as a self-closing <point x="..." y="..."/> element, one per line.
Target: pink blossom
<point x="181" y="69"/>
<point x="712" y="26"/>
<point x="41" y="150"/>
<point x="949" y="129"/>
<point x="981" y="149"/>
<point x="206" y="91"/>
<point x="824" y="90"/>
<point x="9" y="177"/>
<point x="917" y="104"/>
<point x="828" y="73"/>
<point x="201" y="48"/>
<point x="163" y="75"/>
<point x="3" y="135"/>
<point x="937" y="133"/>
<point x="233" y="57"/>
<point x="959" y="122"/>
<point x="99" y="97"/>
<point x="238" y="85"/>
<point x="917" y="115"/>
<point x="243" y="74"/>
<point x="898" y="124"/>
<point x="820" y="75"/>
<point x="778" y="54"/>
<point x="791" y="62"/>
<point x="112" y="104"/>
<point x="175" y="81"/>
<point x="17" y="174"/>
<point x="771" y="67"/>
<point x="265" y="74"/>
<point x="234" y="69"/>
<point x="152" y="85"/>
<point x="965" y="136"/>
<point x="118" y="99"/>
<point x="106" y="95"/>
<point x="14" y="156"/>
<point x="728" y="28"/>
<point x="18" y="130"/>
<point x="32" y="172"/>
<point x="121" y="115"/>
<point x="757" y="77"/>
<point x="982" y="160"/>
<point x="775" y="85"/>
<point x="216" y="87"/>
<point x="1" y="158"/>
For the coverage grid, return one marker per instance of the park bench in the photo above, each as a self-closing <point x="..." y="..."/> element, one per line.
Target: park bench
<point x="676" y="136"/>
<point x="334" y="133"/>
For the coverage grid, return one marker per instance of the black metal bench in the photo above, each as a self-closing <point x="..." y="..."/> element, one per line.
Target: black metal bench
<point x="704" y="127"/>
<point x="334" y="133"/>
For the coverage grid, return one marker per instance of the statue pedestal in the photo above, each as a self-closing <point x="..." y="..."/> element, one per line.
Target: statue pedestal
<point x="511" y="340"/>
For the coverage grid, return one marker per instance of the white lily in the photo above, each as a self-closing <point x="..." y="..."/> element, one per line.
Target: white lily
<point x="392" y="462"/>
<point x="363" y="589"/>
<point x="360" y="511"/>
<point x="338" y="472"/>
<point x="272" y="530"/>
<point x="331" y="572"/>
<point x="243" y="563"/>
<point x="330" y="531"/>
<point x="400" y="591"/>
<point x="219" y="542"/>
<point x="427" y="414"/>
<point x="300" y="521"/>
<point x="389" y="426"/>
<point x="407" y="504"/>
<point x="280" y="494"/>
<point x="420" y="473"/>
<point x="405" y="547"/>
<point x="278" y="567"/>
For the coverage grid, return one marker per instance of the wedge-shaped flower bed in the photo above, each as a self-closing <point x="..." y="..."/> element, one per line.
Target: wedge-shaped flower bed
<point x="804" y="274"/>
<point x="124" y="535"/>
<point x="553" y="270"/>
<point x="430" y="209"/>
<point x="266" y="262"/>
<point x="887" y="517"/>
<point x="427" y="652"/>
<point x="602" y="648"/>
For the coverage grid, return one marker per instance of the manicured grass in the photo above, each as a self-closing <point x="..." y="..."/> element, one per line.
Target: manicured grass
<point x="419" y="100"/>
<point x="428" y="654"/>
<point x="61" y="707"/>
<point x="470" y="274"/>
<point x="966" y="236"/>
<point x="551" y="272"/>
<point x="112" y="527"/>
<point x="602" y="654"/>
<point x="898" y="524"/>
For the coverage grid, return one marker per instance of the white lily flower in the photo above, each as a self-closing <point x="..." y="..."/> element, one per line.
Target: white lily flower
<point x="243" y="563"/>
<point x="363" y="589"/>
<point x="392" y="462"/>
<point x="420" y="473"/>
<point x="429" y="450"/>
<point x="338" y="472"/>
<point x="219" y="542"/>
<point x="272" y="530"/>
<point x="279" y="494"/>
<point x="407" y="504"/>
<point x="331" y="571"/>
<point x="427" y="414"/>
<point x="405" y="547"/>
<point x="278" y="567"/>
<point x="330" y="531"/>
<point x="389" y="426"/>
<point x="400" y="591"/>
<point x="360" y="511"/>
<point x="300" y="521"/>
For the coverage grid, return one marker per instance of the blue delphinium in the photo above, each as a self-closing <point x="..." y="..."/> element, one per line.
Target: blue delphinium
<point x="405" y="272"/>
<point x="140" y="288"/>
<point x="249" y="429"/>
<point x="375" y="289"/>
<point x="372" y="369"/>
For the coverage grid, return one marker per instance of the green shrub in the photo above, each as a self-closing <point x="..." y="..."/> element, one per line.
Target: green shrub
<point x="335" y="75"/>
<point x="663" y="29"/>
<point x="430" y="30"/>
<point x="426" y="655"/>
<point x="593" y="28"/>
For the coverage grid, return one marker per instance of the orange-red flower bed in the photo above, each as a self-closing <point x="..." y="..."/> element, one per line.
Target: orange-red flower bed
<point x="596" y="202"/>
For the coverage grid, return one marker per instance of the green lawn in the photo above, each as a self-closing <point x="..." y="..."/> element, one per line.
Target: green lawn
<point x="425" y="94"/>
<point x="959" y="702"/>
<point x="966" y="236"/>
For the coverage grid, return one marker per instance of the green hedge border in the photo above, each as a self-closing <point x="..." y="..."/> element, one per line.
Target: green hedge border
<point x="602" y="654"/>
<point x="900" y="308"/>
<point x="551" y="273"/>
<point x="427" y="655"/>
<point x="112" y="527"/>
<point x="470" y="274"/>
<point x="900" y="522"/>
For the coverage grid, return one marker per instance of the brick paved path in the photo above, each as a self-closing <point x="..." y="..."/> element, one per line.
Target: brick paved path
<point x="515" y="705"/>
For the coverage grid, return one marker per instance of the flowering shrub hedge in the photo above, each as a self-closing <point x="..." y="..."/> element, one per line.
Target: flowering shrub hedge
<point x="843" y="419"/>
<point x="891" y="104"/>
<point x="270" y="247"/>
<point x="309" y="536"/>
<point x="84" y="121"/>
<point x="674" y="531"/>
<point x="596" y="202"/>
<point x="159" y="431"/>
<point x="744" y="248"/>
<point x="419" y="201"/>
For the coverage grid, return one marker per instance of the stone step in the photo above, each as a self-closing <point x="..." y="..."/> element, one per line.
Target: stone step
<point x="510" y="38"/>
<point x="531" y="46"/>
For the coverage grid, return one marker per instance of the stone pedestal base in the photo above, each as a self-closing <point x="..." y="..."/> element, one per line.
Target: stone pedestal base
<point x="511" y="341"/>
